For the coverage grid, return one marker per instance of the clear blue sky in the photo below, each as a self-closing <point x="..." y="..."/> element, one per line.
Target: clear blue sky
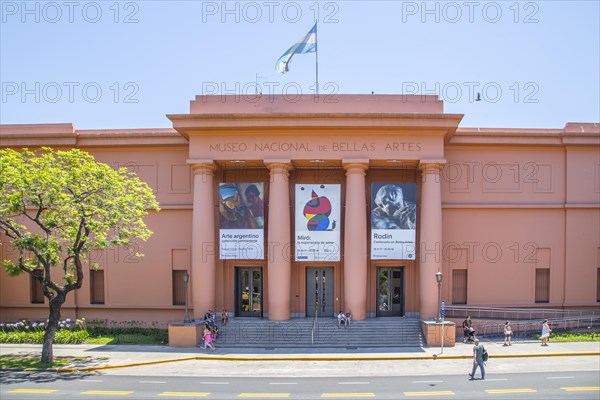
<point x="535" y="63"/>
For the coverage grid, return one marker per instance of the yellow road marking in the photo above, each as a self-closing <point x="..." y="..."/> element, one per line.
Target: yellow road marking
<point x="581" y="388"/>
<point x="109" y="392"/>
<point x="346" y="395"/>
<point x="432" y="393"/>
<point x="264" y="395"/>
<point x="504" y="391"/>
<point x="185" y="394"/>
<point x="32" y="391"/>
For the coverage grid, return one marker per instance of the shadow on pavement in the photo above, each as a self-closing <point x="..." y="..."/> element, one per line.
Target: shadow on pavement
<point x="12" y="376"/>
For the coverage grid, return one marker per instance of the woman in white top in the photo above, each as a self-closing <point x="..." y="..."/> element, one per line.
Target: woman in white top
<point x="507" y="334"/>
<point x="545" y="332"/>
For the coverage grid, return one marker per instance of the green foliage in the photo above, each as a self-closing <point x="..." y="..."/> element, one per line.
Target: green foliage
<point x="79" y="332"/>
<point x="72" y="205"/>
<point x="572" y="337"/>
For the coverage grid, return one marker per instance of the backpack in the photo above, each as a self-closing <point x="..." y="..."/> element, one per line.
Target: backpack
<point x="484" y="355"/>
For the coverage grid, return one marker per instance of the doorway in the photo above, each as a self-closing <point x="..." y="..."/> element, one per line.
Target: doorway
<point x="390" y="292"/>
<point x="319" y="292"/>
<point x="248" y="292"/>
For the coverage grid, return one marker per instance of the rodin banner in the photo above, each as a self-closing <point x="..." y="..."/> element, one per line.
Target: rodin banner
<point x="317" y="217"/>
<point x="393" y="221"/>
<point x="241" y="221"/>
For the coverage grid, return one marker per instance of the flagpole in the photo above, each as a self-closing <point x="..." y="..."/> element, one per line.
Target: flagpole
<point x="317" y="57"/>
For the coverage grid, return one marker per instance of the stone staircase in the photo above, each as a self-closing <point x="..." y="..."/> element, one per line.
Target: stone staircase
<point x="297" y="333"/>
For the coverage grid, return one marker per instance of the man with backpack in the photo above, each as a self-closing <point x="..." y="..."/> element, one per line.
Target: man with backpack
<point x="478" y="360"/>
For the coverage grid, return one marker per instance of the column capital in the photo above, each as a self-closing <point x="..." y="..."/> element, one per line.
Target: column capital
<point x="358" y="166"/>
<point x="281" y="166"/>
<point x="204" y="167"/>
<point x="430" y="166"/>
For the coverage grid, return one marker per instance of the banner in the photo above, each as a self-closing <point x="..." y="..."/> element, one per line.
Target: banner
<point x="393" y="221"/>
<point x="241" y="221"/>
<point x="317" y="217"/>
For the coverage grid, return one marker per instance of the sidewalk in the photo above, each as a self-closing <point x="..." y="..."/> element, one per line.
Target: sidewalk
<point x="105" y="357"/>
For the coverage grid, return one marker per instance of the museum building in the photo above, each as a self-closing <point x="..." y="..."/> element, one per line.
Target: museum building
<point x="284" y="208"/>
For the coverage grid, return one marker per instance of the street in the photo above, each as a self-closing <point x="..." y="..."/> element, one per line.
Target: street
<point x="554" y="378"/>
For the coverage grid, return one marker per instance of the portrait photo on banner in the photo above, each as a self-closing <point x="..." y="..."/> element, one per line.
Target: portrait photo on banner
<point x="393" y="221"/>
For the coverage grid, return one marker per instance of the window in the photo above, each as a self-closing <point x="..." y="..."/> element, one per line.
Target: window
<point x="36" y="291"/>
<point x="178" y="288"/>
<point x="97" y="287"/>
<point x="542" y="285"/>
<point x="459" y="286"/>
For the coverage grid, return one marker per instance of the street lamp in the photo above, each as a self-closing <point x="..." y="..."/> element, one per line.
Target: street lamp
<point x="186" y="279"/>
<point x="438" y="278"/>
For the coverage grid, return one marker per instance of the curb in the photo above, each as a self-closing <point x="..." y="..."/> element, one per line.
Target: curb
<point x="326" y="358"/>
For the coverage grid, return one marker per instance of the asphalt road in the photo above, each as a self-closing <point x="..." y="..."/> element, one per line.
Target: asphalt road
<point x="24" y="385"/>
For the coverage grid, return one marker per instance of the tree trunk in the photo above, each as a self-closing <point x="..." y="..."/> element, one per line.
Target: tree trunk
<point x="53" y="320"/>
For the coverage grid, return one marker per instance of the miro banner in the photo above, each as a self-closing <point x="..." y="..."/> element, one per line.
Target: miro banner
<point x="317" y="220"/>
<point x="241" y="221"/>
<point x="393" y="221"/>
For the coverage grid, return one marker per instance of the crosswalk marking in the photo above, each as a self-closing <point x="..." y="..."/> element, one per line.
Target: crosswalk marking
<point x="264" y="395"/>
<point x="36" y="391"/>
<point x="581" y="388"/>
<point x="431" y="393"/>
<point x="185" y="394"/>
<point x="504" y="391"/>
<point x="109" y="392"/>
<point x="346" y="395"/>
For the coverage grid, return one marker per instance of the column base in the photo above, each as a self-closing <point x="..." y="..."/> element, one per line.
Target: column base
<point x="185" y="334"/>
<point x="432" y="333"/>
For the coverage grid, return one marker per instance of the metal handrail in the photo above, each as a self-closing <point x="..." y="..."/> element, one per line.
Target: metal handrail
<point x="315" y="325"/>
<point x="526" y="328"/>
<point x="516" y="313"/>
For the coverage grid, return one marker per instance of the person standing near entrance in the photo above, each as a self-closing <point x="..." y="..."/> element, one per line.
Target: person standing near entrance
<point x="477" y="361"/>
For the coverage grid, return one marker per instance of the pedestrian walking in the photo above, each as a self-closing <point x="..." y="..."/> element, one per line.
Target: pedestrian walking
<point x="545" y="332"/>
<point x="477" y="360"/>
<point x="208" y="342"/>
<point x="507" y="334"/>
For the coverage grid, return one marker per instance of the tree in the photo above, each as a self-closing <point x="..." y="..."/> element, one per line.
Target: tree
<point x="56" y="207"/>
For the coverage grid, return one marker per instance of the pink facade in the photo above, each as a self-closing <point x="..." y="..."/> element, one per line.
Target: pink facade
<point x="511" y="217"/>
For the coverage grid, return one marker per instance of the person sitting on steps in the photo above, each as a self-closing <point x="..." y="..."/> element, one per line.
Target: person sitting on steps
<point x="341" y="319"/>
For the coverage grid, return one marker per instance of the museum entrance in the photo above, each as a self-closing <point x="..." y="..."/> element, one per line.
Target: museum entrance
<point x="319" y="292"/>
<point x="390" y="292"/>
<point x="248" y="292"/>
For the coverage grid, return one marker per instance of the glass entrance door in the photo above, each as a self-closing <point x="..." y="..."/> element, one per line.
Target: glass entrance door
<point x="390" y="292"/>
<point x="248" y="290"/>
<point x="319" y="292"/>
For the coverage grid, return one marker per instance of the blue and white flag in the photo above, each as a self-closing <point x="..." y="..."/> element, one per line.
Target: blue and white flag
<point x="308" y="44"/>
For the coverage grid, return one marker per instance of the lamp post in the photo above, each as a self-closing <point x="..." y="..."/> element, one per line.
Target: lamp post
<point x="186" y="279"/>
<point x="438" y="278"/>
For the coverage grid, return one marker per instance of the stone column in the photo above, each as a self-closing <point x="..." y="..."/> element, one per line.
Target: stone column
<point x="355" y="239"/>
<point x="279" y="249"/>
<point x="203" y="239"/>
<point x="430" y="246"/>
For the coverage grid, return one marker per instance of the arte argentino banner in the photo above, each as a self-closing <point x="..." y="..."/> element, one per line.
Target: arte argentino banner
<point x="241" y="221"/>
<point x="317" y="217"/>
<point x="393" y="221"/>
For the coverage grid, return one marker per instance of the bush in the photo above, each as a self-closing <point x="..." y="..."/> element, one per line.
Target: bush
<point x="78" y="332"/>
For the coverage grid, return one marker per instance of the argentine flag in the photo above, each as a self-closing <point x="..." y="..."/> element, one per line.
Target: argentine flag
<point x="308" y="44"/>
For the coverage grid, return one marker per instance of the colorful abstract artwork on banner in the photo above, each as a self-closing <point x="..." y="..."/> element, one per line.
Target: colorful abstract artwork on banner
<point x="241" y="221"/>
<point x="317" y="219"/>
<point x="393" y="221"/>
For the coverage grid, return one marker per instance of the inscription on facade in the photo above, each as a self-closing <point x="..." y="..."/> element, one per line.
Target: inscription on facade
<point x="338" y="147"/>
